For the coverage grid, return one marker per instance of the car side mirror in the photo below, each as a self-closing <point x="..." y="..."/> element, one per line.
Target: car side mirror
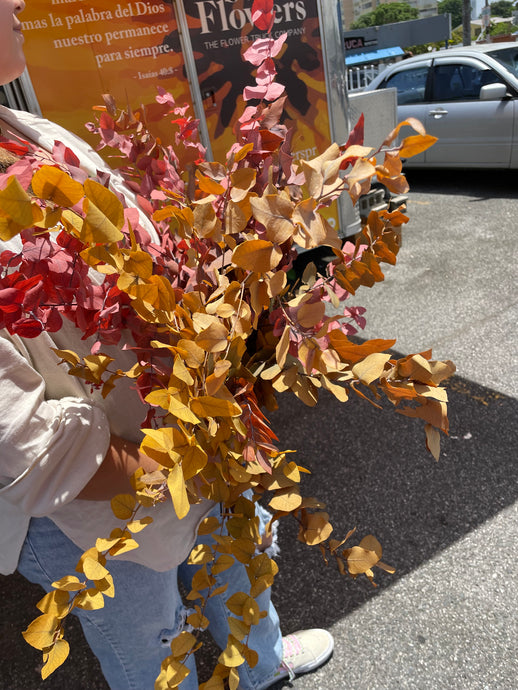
<point x="493" y="92"/>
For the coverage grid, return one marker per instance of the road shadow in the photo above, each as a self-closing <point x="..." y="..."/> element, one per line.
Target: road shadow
<point x="373" y="471"/>
<point x="479" y="184"/>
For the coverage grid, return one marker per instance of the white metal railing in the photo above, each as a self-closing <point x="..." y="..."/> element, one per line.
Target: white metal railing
<point x="360" y="77"/>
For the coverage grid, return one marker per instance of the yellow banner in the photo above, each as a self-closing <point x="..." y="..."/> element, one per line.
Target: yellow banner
<point x="77" y="51"/>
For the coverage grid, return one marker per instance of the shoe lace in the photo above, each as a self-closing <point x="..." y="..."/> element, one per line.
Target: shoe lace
<point x="291" y="647"/>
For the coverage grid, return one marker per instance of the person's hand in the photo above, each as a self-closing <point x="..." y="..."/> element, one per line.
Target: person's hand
<point x="113" y="476"/>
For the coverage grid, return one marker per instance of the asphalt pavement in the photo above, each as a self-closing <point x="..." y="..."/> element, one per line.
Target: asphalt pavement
<point x="448" y="617"/>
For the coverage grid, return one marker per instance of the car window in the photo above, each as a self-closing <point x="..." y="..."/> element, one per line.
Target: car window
<point x="410" y="84"/>
<point x="508" y="57"/>
<point x="458" y="82"/>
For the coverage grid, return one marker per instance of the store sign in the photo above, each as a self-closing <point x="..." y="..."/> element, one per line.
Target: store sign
<point x="221" y="30"/>
<point x="354" y="43"/>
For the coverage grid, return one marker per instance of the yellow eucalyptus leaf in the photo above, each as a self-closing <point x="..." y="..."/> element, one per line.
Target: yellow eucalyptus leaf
<point x="105" y="201"/>
<point x="15" y="210"/>
<point x="217" y="378"/>
<point x="223" y="562"/>
<point x="67" y="356"/>
<point x="236" y="219"/>
<point x="275" y="283"/>
<point x="180" y="371"/>
<point x="55" y="185"/>
<point x="242" y="180"/>
<point x="236" y="603"/>
<point x="202" y="580"/>
<point x="193" y="354"/>
<point x="56" y="603"/>
<point x="158" y="398"/>
<point x="206" y="222"/>
<point x="176" y="486"/>
<point x="209" y="406"/>
<point x="176" y="673"/>
<point x="231" y="656"/>
<point x="55" y="658"/>
<point x="243" y="550"/>
<point x="238" y="628"/>
<point x="291" y="470"/>
<point x="339" y="392"/>
<point x="251" y="612"/>
<point x="309" y="314"/>
<point x="316" y="529"/>
<point x="371" y="544"/>
<point x="282" y="347"/>
<point x="92" y="554"/>
<point x="361" y="560"/>
<point x="94" y="570"/>
<point x="106" y="586"/>
<point x="274" y="212"/>
<point x="182" y="644"/>
<point x="97" y="364"/>
<point x="242" y="152"/>
<point x="41" y="633"/>
<point x="69" y="583"/>
<point x="201" y="553"/>
<point x="90" y="600"/>
<point x="139" y="263"/>
<point x="312" y="228"/>
<point x="181" y="410"/>
<point x="362" y="170"/>
<point x="72" y="222"/>
<point x="286" y="500"/>
<point x="194" y="459"/>
<point x="208" y="525"/>
<point x="198" y="621"/>
<point x="97" y="227"/>
<point x="123" y="506"/>
<point x="233" y="679"/>
<point x="216" y="682"/>
<point x="213" y="338"/>
<point x="252" y="658"/>
<point x="138" y="525"/>
<point x="218" y="591"/>
<point x="433" y="440"/>
<point x="371" y="368"/>
<point x="123" y="546"/>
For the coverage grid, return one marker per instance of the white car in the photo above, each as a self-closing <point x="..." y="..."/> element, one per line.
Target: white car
<point x="467" y="97"/>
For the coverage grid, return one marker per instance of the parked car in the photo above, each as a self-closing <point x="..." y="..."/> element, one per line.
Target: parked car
<point x="467" y="97"/>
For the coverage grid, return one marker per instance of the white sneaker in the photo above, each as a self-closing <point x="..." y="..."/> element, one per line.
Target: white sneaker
<point x="302" y="651"/>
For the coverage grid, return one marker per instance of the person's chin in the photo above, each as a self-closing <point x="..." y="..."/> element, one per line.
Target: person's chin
<point x="13" y="74"/>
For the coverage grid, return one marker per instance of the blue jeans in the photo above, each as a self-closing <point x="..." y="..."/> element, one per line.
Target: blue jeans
<point x="132" y="634"/>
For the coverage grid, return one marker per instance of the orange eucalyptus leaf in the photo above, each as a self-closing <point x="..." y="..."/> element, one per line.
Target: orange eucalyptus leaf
<point x="209" y="186"/>
<point x="259" y="256"/>
<point x="411" y="146"/>
<point x="351" y="352"/>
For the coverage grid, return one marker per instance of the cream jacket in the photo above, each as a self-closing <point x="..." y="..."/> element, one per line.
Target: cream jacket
<point x="54" y="431"/>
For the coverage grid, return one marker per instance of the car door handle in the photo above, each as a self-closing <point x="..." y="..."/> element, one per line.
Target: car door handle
<point x="438" y="112"/>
